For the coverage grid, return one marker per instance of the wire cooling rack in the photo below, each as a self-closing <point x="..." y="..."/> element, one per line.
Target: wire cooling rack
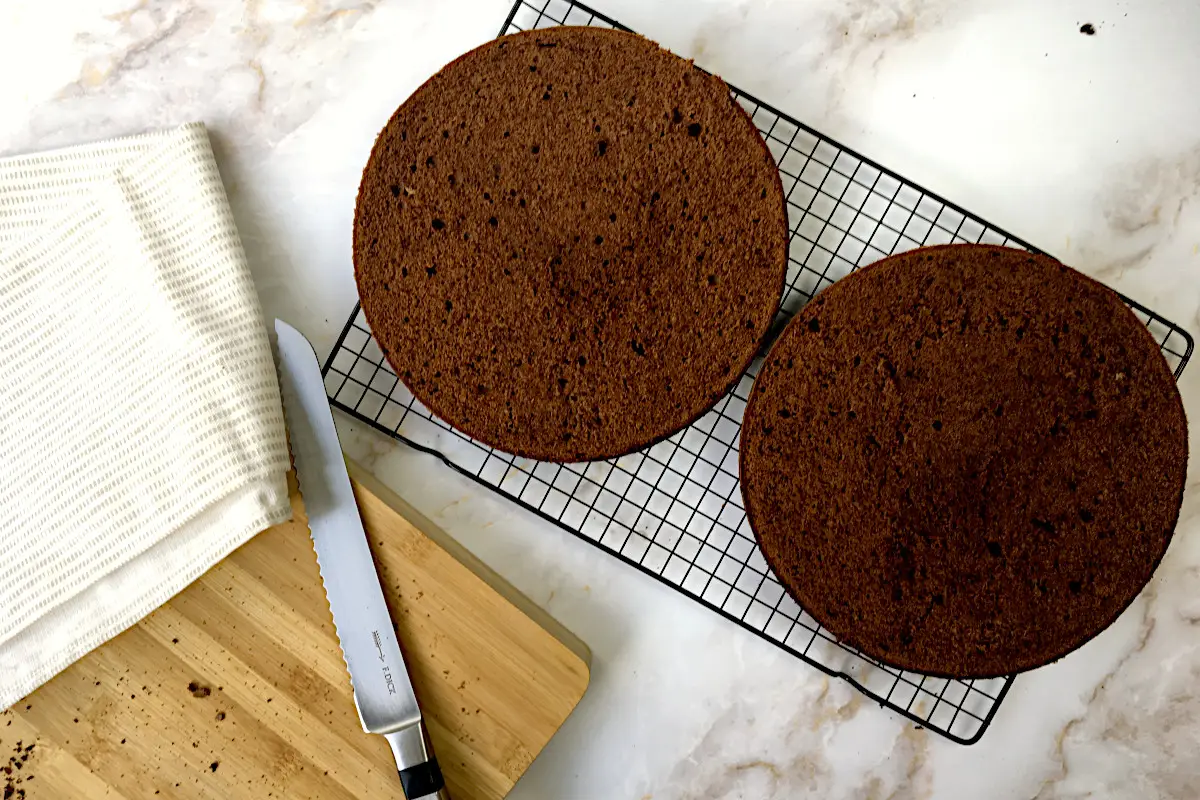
<point x="674" y="510"/>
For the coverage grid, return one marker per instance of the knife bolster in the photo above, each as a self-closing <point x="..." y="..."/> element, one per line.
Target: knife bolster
<point x="420" y="775"/>
<point x="424" y="782"/>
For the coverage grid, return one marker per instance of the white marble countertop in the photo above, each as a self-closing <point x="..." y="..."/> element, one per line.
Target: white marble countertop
<point x="1086" y="145"/>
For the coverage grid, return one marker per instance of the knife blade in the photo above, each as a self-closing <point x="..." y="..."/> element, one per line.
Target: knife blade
<point x="383" y="692"/>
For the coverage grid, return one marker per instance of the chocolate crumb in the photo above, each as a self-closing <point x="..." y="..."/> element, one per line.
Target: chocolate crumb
<point x="198" y="690"/>
<point x="1087" y="29"/>
<point x="14" y="771"/>
<point x="213" y="766"/>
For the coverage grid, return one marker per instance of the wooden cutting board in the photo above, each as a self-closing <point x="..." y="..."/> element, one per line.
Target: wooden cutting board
<point x="236" y="687"/>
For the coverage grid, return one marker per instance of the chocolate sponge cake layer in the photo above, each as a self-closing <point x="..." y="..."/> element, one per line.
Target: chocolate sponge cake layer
<point x="964" y="460"/>
<point x="569" y="243"/>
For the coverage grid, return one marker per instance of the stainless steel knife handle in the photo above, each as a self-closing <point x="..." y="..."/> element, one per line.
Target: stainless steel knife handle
<point x="420" y="775"/>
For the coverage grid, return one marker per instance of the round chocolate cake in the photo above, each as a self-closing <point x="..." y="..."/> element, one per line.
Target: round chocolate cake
<point x="569" y="243"/>
<point x="964" y="460"/>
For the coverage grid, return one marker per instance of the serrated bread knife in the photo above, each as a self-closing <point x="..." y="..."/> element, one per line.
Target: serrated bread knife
<point x="383" y="692"/>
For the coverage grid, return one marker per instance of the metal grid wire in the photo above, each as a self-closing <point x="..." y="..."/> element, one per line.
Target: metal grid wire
<point x="675" y="510"/>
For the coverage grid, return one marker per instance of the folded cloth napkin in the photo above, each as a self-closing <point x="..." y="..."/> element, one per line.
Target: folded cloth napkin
<point x="141" y="430"/>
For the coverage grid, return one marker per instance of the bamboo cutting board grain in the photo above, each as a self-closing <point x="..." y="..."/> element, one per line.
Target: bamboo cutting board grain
<point x="237" y="689"/>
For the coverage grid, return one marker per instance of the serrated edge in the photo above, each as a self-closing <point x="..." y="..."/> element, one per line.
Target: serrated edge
<point x="287" y="428"/>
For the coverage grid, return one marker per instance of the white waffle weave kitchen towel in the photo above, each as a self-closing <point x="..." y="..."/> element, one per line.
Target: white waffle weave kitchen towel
<point x="141" y="431"/>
